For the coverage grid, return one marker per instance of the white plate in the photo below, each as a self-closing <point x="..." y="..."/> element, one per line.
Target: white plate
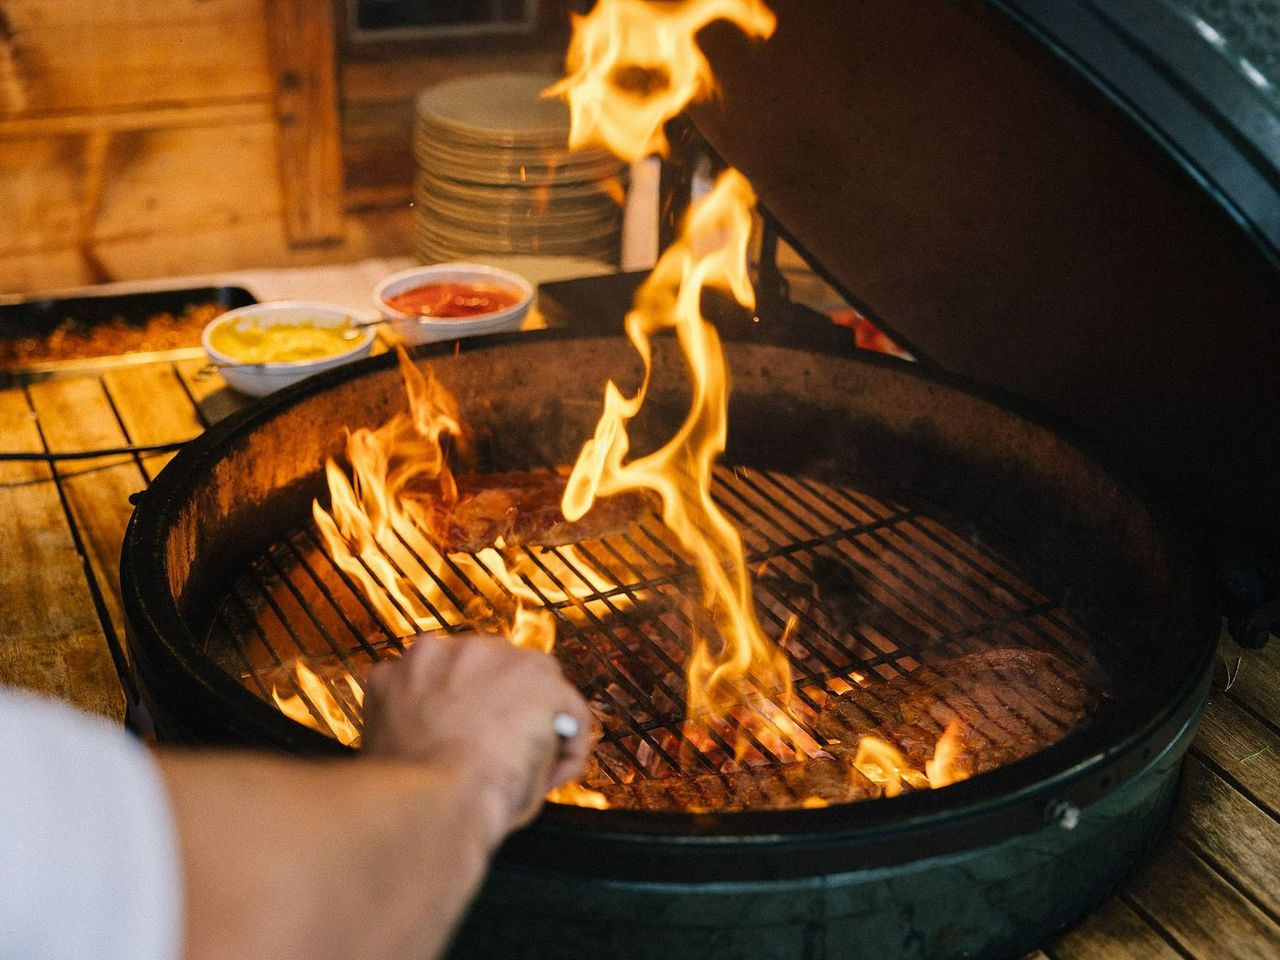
<point x="496" y="106"/>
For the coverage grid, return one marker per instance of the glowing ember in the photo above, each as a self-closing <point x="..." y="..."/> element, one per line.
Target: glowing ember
<point x="575" y="794"/>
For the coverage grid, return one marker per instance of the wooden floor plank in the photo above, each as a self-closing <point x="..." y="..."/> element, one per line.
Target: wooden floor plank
<point x="1199" y="910"/>
<point x="51" y="639"/>
<point x="1246" y="750"/>
<point x="1233" y="834"/>
<point x="1112" y="932"/>
<point x="154" y="407"/>
<point x="75" y="415"/>
<point x="1257" y="681"/>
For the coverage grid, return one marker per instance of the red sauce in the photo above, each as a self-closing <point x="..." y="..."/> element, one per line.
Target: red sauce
<point x="453" y="300"/>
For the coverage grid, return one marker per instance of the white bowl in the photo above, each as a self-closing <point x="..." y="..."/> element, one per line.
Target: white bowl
<point x="417" y="329"/>
<point x="259" y="379"/>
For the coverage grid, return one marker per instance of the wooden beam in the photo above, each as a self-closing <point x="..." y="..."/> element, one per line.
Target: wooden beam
<point x="230" y="113"/>
<point x="304" y="61"/>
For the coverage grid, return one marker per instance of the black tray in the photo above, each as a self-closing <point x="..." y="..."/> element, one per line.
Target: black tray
<point x="33" y="318"/>
<point x="79" y="316"/>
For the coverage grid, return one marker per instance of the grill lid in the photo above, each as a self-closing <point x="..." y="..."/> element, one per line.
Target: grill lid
<point x="1023" y="212"/>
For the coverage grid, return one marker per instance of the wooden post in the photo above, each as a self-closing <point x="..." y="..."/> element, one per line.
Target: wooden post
<point x="304" y="60"/>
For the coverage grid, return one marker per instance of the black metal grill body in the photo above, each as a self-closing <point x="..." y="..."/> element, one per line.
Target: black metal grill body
<point x="898" y="465"/>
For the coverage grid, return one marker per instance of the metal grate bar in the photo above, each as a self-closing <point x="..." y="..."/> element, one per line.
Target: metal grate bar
<point x="673" y="716"/>
<point x="985" y="563"/>
<point x="874" y="589"/>
<point x="624" y="682"/>
<point x="687" y="573"/>
<point x="941" y="578"/>
<point x="308" y="611"/>
<point x="311" y="534"/>
<point x="235" y="598"/>
<point x="888" y="657"/>
<point x="237" y="648"/>
<point x="440" y="583"/>
<point x="352" y="713"/>
<point x="332" y="603"/>
<point x="973" y="575"/>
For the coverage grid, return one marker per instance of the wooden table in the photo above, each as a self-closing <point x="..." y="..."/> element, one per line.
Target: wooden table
<point x="1211" y="891"/>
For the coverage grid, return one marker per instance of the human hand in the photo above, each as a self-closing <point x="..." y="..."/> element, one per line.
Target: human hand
<point x="477" y="703"/>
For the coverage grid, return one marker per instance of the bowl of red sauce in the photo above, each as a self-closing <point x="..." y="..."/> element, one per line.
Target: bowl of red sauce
<point x="448" y="300"/>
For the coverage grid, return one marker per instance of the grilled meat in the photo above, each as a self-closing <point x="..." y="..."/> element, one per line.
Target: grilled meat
<point x="757" y="788"/>
<point x="1008" y="702"/>
<point x="523" y="508"/>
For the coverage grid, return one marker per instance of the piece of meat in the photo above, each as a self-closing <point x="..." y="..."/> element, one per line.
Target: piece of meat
<point x="824" y="778"/>
<point x="1008" y="703"/>
<point x="523" y="508"/>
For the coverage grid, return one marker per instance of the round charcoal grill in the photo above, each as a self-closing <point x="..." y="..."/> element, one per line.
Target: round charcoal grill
<point x="901" y="518"/>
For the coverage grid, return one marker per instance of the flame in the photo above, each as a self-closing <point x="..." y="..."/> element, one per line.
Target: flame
<point x="946" y="764"/>
<point x="334" y="721"/>
<point x="383" y="527"/>
<point x="883" y="764"/>
<point x="333" y="718"/>
<point x="734" y="662"/>
<point x="579" y="796"/>
<point x="633" y="65"/>
<point x="367" y="516"/>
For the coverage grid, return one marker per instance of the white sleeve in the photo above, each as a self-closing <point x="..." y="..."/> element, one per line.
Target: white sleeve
<point x="88" y="856"/>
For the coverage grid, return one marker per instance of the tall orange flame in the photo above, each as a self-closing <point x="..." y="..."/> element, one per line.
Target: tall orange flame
<point x="633" y="65"/>
<point x="680" y="471"/>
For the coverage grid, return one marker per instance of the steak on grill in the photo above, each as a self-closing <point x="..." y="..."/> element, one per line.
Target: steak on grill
<point x="1009" y="703"/>
<point x="824" y="778"/>
<point x="522" y="508"/>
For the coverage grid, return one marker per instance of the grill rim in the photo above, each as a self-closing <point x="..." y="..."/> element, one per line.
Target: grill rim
<point x="1083" y="768"/>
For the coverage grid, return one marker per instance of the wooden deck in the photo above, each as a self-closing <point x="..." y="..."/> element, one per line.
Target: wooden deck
<point x="1211" y="891"/>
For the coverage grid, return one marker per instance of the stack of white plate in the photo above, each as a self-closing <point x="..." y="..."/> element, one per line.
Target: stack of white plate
<point x="495" y="175"/>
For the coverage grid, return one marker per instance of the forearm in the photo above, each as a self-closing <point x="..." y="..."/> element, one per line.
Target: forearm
<point x="359" y="858"/>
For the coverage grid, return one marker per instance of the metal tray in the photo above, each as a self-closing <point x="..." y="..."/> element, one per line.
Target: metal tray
<point x="45" y="317"/>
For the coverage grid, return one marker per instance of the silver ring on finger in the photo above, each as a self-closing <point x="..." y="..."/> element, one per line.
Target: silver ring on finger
<point x="565" y="725"/>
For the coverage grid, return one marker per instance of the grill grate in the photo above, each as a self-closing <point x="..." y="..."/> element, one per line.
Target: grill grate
<point x="863" y="589"/>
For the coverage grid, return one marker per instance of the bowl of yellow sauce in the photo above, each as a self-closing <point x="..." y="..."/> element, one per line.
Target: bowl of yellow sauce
<point x="265" y="346"/>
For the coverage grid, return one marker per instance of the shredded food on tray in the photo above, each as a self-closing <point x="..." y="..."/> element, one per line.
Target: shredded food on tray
<point x="73" y="339"/>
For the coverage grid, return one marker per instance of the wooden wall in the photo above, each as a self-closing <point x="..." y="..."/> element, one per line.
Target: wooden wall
<point x="151" y="137"/>
<point x="145" y="138"/>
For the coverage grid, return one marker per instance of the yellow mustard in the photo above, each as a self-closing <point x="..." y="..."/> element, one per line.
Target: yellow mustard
<point x="252" y="342"/>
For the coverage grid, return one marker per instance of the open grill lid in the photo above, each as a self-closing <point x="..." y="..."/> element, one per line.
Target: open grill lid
<point x="1041" y="213"/>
